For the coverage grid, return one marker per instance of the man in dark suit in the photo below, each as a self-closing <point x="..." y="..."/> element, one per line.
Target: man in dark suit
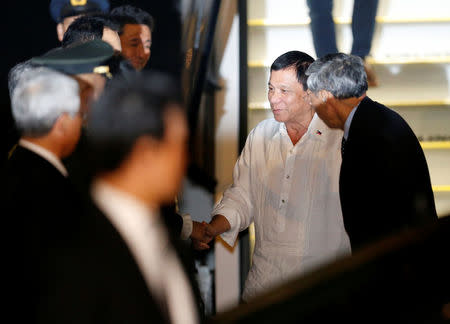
<point x="39" y="204"/>
<point x="43" y="207"/>
<point x="137" y="137"/>
<point x="384" y="181"/>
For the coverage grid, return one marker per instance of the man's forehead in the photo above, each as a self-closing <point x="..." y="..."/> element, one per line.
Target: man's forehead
<point x="284" y="76"/>
<point x="136" y="29"/>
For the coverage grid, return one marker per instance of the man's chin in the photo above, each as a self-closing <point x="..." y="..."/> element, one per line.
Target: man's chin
<point x="278" y="116"/>
<point x="138" y="65"/>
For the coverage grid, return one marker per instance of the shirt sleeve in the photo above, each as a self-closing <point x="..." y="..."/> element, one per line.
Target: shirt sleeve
<point x="186" y="230"/>
<point x="236" y="203"/>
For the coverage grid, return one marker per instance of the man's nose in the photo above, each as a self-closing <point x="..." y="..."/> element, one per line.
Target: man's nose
<point x="141" y="51"/>
<point x="274" y="97"/>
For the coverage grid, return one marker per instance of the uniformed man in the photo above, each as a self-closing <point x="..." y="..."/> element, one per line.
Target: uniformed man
<point x="86" y="62"/>
<point x="64" y="12"/>
<point x="89" y="64"/>
<point x="93" y="26"/>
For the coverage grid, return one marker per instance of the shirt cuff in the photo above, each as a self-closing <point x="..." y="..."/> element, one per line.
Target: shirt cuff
<point x="229" y="236"/>
<point x="186" y="230"/>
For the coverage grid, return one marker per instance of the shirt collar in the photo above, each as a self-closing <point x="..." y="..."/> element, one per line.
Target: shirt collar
<point x="348" y="122"/>
<point x="118" y="204"/>
<point x="316" y="129"/>
<point x="46" y="155"/>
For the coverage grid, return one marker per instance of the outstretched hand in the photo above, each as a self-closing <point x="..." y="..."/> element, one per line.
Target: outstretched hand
<point x="198" y="245"/>
<point x="202" y="234"/>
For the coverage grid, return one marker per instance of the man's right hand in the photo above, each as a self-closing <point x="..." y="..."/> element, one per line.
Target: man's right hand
<point x="218" y="225"/>
<point x="198" y="245"/>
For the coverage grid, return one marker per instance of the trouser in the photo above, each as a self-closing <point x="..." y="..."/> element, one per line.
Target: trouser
<point x="323" y="29"/>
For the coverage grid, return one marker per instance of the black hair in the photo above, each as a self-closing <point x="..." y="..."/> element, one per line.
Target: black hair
<point x="127" y="14"/>
<point x="88" y="27"/>
<point x="126" y="110"/>
<point x="294" y="59"/>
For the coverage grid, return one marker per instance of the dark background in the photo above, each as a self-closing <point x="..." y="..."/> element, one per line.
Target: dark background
<point x="29" y="30"/>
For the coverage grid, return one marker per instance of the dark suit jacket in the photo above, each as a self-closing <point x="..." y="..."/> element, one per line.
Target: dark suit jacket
<point x="70" y="265"/>
<point x="39" y="201"/>
<point x="107" y="285"/>
<point x="101" y="282"/>
<point x="40" y="212"/>
<point x="384" y="181"/>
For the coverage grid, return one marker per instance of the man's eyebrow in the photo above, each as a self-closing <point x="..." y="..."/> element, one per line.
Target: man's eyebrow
<point x="133" y="35"/>
<point x="282" y="85"/>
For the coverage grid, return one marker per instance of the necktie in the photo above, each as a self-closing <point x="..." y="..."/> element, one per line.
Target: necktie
<point x="343" y="146"/>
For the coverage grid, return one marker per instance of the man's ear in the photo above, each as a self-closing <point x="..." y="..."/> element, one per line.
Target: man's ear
<point x="146" y="144"/>
<point x="325" y="95"/>
<point x="60" y="125"/>
<point x="60" y="31"/>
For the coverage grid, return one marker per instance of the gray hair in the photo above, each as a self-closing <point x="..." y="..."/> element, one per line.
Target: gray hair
<point x="40" y="98"/>
<point x="18" y="72"/>
<point x="341" y="74"/>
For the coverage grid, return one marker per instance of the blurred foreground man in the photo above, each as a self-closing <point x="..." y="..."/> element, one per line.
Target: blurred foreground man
<point x="384" y="183"/>
<point x="137" y="134"/>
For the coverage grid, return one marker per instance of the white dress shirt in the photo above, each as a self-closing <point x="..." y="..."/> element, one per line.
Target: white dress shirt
<point x="45" y="154"/>
<point x="291" y="193"/>
<point x="187" y="227"/>
<point x="147" y="239"/>
<point x="348" y="121"/>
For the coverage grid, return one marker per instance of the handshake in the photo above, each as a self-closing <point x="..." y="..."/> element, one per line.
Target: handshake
<point x="203" y="233"/>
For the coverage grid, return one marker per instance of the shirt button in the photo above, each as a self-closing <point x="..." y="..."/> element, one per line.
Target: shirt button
<point x="287" y="177"/>
<point x="282" y="201"/>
